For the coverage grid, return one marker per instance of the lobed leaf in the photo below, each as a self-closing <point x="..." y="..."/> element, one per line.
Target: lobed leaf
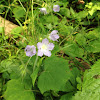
<point x="90" y="85"/>
<point x="54" y="75"/>
<point x="16" y="91"/>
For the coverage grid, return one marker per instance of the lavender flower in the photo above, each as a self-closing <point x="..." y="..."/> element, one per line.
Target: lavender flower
<point x="56" y="8"/>
<point x="44" y="47"/>
<point x="43" y="10"/>
<point x="53" y="35"/>
<point x="30" y="50"/>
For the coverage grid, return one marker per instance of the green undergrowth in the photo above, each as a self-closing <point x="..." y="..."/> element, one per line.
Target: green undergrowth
<point x="72" y="71"/>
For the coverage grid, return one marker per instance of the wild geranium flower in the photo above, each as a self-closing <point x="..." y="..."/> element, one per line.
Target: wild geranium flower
<point x="56" y="8"/>
<point x="43" y="10"/>
<point x="44" y="48"/>
<point x="30" y="50"/>
<point x="53" y="35"/>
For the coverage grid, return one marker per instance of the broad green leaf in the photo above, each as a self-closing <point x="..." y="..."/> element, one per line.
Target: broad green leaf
<point x="73" y="50"/>
<point x="80" y="39"/>
<point x="81" y="15"/>
<point x="49" y="19"/>
<point x="55" y="74"/>
<point x="75" y="72"/>
<point x="71" y="84"/>
<point x="18" y="12"/>
<point x="94" y="34"/>
<point x="93" y="46"/>
<point x="68" y="87"/>
<point x="65" y="30"/>
<point x="17" y="32"/>
<point x="16" y="91"/>
<point x="65" y="12"/>
<point x="91" y="84"/>
<point x="67" y="96"/>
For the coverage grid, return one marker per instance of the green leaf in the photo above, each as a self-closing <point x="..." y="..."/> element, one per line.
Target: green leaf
<point x="79" y="81"/>
<point x="67" y="87"/>
<point x="94" y="34"/>
<point x="9" y="65"/>
<point x="16" y="32"/>
<point x="65" y="30"/>
<point x="75" y="73"/>
<point x="49" y="19"/>
<point x="49" y="26"/>
<point x="16" y="91"/>
<point x="18" y="12"/>
<point x="80" y="39"/>
<point x="81" y="15"/>
<point x="65" y="12"/>
<point x="91" y="84"/>
<point x="1" y="29"/>
<point x="67" y="96"/>
<point x="93" y="74"/>
<point x="93" y="46"/>
<point x="63" y="21"/>
<point x="55" y="74"/>
<point x="72" y="12"/>
<point x="34" y="75"/>
<point x="94" y="9"/>
<point x="71" y="84"/>
<point x="73" y="50"/>
<point x="41" y="25"/>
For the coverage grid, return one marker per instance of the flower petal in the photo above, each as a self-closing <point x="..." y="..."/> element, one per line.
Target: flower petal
<point x="30" y="50"/>
<point x="40" y="53"/>
<point x="47" y="53"/>
<point x="53" y="35"/>
<point x="28" y="47"/>
<point x="29" y="54"/>
<point x="50" y="46"/>
<point x="43" y="10"/>
<point x="33" y="50"/>
<point x="56" y="8"/>
<point x="39" y="45"/>
<point x="45" y="41"/>
<point x="54" y="32"/>
<point x="44" y="47"/>
<point x="56" y="36"/>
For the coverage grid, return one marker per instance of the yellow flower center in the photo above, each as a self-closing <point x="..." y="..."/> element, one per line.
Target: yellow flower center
<point x="44" y="47"/>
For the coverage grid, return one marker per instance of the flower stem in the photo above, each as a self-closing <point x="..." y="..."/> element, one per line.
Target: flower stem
<point x="32" y="17"/>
